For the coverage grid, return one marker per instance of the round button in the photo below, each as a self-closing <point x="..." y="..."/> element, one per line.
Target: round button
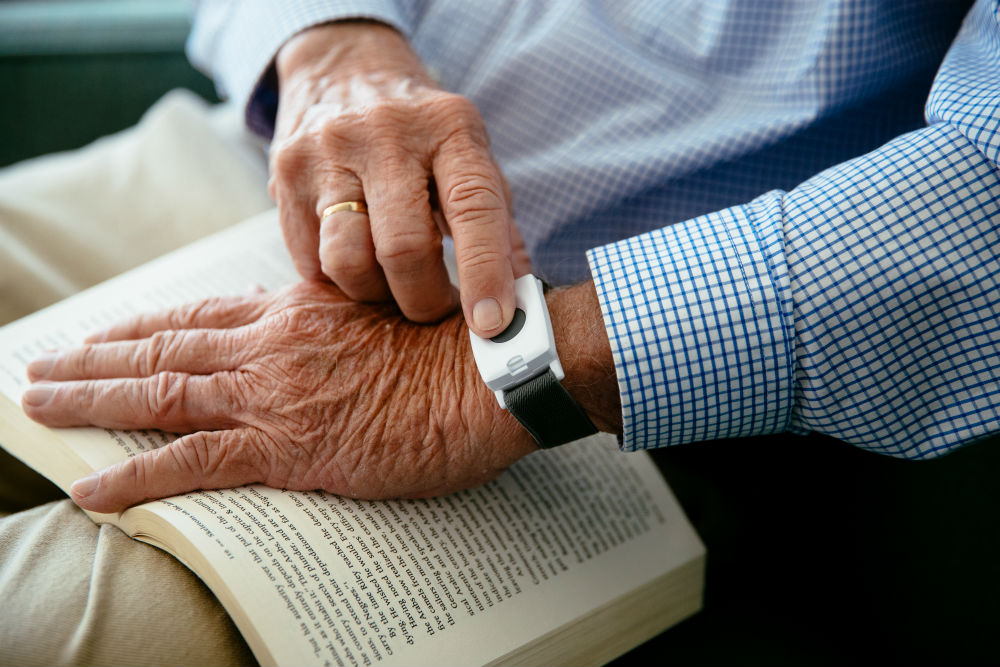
<point x="512" y="329"/>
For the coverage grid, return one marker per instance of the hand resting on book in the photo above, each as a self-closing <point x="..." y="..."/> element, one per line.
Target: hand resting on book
<point x="301" y="389"/>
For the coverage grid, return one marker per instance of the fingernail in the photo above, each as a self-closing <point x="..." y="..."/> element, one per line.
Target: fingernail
<point x="41" y="367"/>
<point x="85" y="486"/>
<point x="486" y="314"/>
<point x="38" y="395"/>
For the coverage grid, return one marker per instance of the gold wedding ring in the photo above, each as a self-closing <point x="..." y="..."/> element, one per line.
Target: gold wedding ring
<point x="358" y="206"/>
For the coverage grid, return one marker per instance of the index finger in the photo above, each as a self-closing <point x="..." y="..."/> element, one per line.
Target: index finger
<point x="476" y="208"/>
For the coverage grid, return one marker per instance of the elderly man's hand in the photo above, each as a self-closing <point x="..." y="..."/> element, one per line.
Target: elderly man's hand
<point x="299" y="389"/>
<point x="359" y="119"/>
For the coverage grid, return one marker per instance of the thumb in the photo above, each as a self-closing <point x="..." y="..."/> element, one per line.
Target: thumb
<point x="204" y="460"/>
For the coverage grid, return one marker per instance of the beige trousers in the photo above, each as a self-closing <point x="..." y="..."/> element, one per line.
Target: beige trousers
<point x="73" y="592"/>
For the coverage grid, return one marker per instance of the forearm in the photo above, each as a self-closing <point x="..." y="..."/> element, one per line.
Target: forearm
<point x="896" y="344"/>
<point x="862" y="304"/>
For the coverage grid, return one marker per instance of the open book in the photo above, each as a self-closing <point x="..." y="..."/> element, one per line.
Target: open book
<point x="574" y="555"/>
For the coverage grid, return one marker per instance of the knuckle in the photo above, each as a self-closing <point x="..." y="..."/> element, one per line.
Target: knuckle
<point x="149" y="359"/>
<point x="136" y="471"/>
<point x="473" y="198"/>
<point x="273" y="186"/>
<point x="247" y="456"/>
<point x="481" y="257"/>
<point x="302" y="318"/>
<point x="130" y="473"/>
<point x="232" y="344"/>
<point x="292" y="156"/>
<point x="136" y="327"/>
<point x="400" y="170"/>
<point x="395" y="167"/>
<point x="166" y="395"/>
<point x="408" y="252"/>
<point x="296" y="319"/>
<point x="289" y="159"/>
<point x="428" y="313"/>
<point x="463" y="129"/>
<point x="243" y="385"/>
<point x="189" y="316"/>
<point x="350" y="267"/>
<point x="337" y="131"/>
<point x="386" y="115"/>
<point x="192" y="456"/>
<point x="340" y="140"/>
<point x="460" y="112"/>
<point x="83" y="364"/>
<point x="283" y="321"/>
<point x="89" y="393"/>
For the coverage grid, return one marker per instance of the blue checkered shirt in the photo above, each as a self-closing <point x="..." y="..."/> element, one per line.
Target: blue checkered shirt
<point x="789" y="210"/>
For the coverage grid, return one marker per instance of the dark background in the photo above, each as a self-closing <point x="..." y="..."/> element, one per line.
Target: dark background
<point x="75" y="70"/>
<point x="821" y="553"/>
<point x="818" y="553"/>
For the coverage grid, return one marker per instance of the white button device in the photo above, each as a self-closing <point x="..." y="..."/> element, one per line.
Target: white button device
<point x="525" y="349"/>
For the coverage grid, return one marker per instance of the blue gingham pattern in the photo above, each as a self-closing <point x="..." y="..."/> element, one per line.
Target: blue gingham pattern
<point x="855" y="296"/>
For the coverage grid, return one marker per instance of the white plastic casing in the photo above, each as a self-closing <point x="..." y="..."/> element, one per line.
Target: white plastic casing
<point x="530" y="352"/>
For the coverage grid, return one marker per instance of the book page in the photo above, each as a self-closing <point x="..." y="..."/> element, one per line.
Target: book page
<point x="311" y="578"/>
<point x="461" y="579"/>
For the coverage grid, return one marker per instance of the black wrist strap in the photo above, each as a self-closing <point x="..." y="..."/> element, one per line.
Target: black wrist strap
<point x="545" y="408"/>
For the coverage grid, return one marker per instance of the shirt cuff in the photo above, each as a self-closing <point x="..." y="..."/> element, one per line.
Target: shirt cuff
<point x="240" y="52"/>
<point x="699" y="316"/>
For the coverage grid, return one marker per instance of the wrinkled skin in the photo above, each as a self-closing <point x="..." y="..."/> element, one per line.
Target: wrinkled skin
<point x="299" y="389"/>
<point x="360" y="119"/>
<point x="306" y="388"/>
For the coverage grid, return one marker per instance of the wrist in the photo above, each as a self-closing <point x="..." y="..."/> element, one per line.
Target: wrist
<point x="585" y="354"/>
<point x="588" y="369"/>
<point x="343" y="49"/>
<point x="487" y="421"/>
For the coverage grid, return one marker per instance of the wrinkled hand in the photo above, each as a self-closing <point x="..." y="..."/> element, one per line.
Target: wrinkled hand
<point x="360" y="119"/>
<point x="298" y="389"/>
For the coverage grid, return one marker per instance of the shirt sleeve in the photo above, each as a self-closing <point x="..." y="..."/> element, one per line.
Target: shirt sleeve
<point x="863" y="304"/>
<point x="234" y="42"/>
